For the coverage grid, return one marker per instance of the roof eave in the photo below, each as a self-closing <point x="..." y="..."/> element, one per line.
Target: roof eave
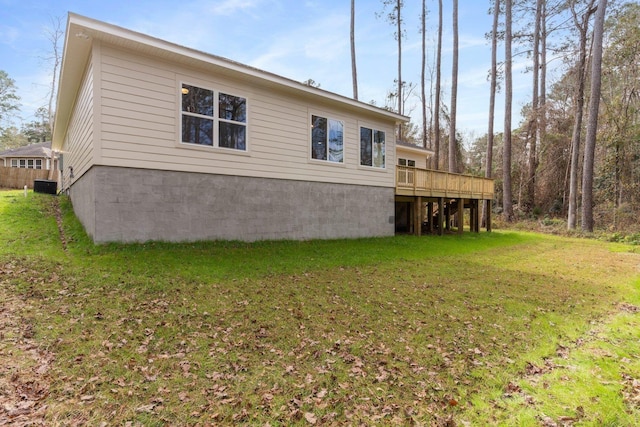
<point x="82" y="30"/>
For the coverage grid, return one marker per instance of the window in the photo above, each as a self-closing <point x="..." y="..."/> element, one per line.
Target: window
<point x="405" y="162"/>
<point x="200" y="124"/>
<point x="372" y="147"/>
<point x="233" y="116"/>
<point x="327" y="139"/>
<point x="26" y="163"/>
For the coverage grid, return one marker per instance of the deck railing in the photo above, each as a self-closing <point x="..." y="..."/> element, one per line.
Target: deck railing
<point x="431" y="183"/>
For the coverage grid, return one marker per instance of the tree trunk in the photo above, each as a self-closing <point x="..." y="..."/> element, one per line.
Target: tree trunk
<point x="400" y="97"/>
<point x="532" y="163"/>
<point x="436" y="108"/>
<point x="454" y="93"/>
<point x="542" y="100"/>
<point x="592" y="124"/>
<point x="423" y="31"/>
<point x="55" y="34"/>
<point x="582" y="27"/>
<point x="492" y="102"/>
<point x="354" y="72"/>
<point x="507" y="198"/>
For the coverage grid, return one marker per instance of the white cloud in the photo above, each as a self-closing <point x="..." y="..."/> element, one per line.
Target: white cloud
<point x="230" y="7"/>
<point x="305" y="52"/>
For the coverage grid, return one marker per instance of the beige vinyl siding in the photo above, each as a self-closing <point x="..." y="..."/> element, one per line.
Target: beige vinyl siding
<point x="421" y="160"/>
<point x="79" y="142"/>
<point x="141" y="126"/>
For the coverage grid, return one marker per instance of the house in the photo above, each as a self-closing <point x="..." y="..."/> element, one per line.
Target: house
<point x="163" y="142"/>
<point x="22" y="166"/>
<point x="33" y="156"/>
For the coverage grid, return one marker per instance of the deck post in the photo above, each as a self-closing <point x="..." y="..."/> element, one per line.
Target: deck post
<point x="472" y="216"/>
<point x="419" y="213"/>
<point x="440" y="215"/>
<point x="447" y="215"/>
<point x="430" y="216"/>
<point x="488" y="211"/>
<point x="476" y="215"/>
<point x="460" y="216"/>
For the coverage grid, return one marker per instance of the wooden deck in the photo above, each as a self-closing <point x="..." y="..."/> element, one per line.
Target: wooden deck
<point x="415" y="182"/>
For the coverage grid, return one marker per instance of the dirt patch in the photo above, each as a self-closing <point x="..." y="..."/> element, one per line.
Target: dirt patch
<point x="24" y="366"/>
<point x="58" y="214"/>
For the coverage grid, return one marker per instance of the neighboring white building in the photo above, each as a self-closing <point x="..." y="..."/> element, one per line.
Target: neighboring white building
<point x="163" y="142"/>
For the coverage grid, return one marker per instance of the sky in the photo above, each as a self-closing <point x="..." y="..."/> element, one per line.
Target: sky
<point x="297" y="39"/>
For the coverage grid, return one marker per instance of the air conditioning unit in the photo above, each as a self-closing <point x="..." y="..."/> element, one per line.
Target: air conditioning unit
<point x="45" y="186"/>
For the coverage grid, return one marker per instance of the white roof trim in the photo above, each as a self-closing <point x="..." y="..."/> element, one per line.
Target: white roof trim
<point x="418" y="150"/>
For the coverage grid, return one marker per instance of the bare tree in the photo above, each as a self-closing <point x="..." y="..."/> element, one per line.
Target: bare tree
<point x="492" y="101"/>
<point x="530" y="199"/>
<point x="423" y="77"/>
<point x="395" y="18"/>
<point x="507" y="198"/>
<point x="542" y="100"/>
<point x="592" y="124"/>
<point x="436" y="107"/>
<point x="454" y="92"/>
<point x="54" y="34"/>
<point x="582" y="26"/>
<point x="354" y="72"/>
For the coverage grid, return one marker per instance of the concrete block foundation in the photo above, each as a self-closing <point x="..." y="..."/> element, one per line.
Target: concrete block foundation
<point x="137" y="205"/>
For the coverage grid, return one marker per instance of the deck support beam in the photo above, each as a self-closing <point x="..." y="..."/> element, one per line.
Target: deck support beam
<point x="488" y="213"/>
<point x="418" y="213"/>
<point x="460" y="216"/>
<point x="476" y="216"/>
<point x="447" y="214"/>
<point x="440" y="215"/>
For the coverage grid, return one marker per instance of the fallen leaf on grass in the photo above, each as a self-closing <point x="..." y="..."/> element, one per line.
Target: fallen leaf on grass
<point x="310" y="417"/>
<point x="148" y="409"/>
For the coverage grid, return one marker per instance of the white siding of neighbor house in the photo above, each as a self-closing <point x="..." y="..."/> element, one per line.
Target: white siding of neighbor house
<point x="79" y="146"/>
<point x="140" y="126"/>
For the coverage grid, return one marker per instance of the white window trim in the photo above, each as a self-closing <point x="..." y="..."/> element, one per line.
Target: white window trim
<point x="215" y="118"/>
<point x="386" y="145"/>
<point x="327" y="116"/>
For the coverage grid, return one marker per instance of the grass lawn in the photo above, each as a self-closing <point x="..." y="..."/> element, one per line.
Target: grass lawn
<point x="502" y="328"/>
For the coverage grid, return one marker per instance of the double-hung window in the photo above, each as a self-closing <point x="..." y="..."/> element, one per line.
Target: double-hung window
<point x="212" y="118"/>
<point x="372" y="148"/>
<point x="405" y="162"/>
<point x="327" y="139"/>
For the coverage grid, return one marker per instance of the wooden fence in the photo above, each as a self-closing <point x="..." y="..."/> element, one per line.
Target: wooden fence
<point x="19" y="177"/>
